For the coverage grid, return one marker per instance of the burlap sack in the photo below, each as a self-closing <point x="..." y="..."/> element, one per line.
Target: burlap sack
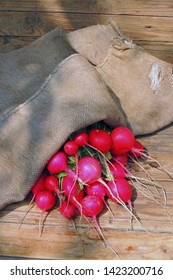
<point x="24" y="70"/>
<point x="72" y="96"/>
<point x="142" y="82"/>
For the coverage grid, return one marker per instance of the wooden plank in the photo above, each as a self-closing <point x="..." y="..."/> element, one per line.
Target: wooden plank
<point x="62" y="243"/>
<point x="36" y="24"/>
<point x="162" y="50"/>
<point x="147" y="210"/>
<point x="10" y="43"/>
<point x="111" y="7"/>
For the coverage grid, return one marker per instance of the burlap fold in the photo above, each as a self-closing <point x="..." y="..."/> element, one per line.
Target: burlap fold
<point x="23" y="71"/>
<point x="142" y="82"/>
<point x="73" y="96"/>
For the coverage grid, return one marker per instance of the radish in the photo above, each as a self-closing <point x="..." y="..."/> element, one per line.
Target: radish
<point x="97" y="189"/>
<point x="138" y="150"/>
<point x="58" y="163"/>
<point x="92" y="206"/>
<point x="72" y="191"/>
<point x="81" y="139"/>
<point x="89" y="169"/>
<point x="52" y="184"/>
<point x="67" y="209"/>
<point x="70" y="148"/>
<point x="120" y="159"/>
<point x="45" y="200"/>
<point x="100" y="140"/>
<point x="117" y="170"/>
<point x="39" y="185"/>
<point x="123" y="140"/>
<point x="69" y="186"/>
<point x="76" y="199"/>
<point x="119" y="190"/>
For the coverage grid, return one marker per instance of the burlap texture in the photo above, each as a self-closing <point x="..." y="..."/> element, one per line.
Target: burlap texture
<point x="23" y="71"/>
<point x="142" y="82"/>
<point x="73" y="96"/>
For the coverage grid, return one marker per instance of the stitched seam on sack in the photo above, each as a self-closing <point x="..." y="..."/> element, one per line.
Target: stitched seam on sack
<point x="39" y="91"/>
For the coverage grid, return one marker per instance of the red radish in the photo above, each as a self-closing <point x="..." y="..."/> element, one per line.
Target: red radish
<point x="120" y="190"/>
<point x="58" y="163"/>
<point x="123" y="140"/>
<point x="137" y="150"/>
<point x="67" y="209"/>
<point x="100" y="140"/>
<point x="92" y="206"/>
<point x="76" y="200"/>
<point x="70" y="148"/>
<point x="121" y="159"/>
<point x="39" y="185"/>
<point x="52" y="184"/>
<point x="117" y="170"/>
<point x="97" y="189"/>
<point x="72" y="191"/>
<point x="81" y="139"/>
<point x="69" y="186"/>
<point x="45" y="200"/>
<point x="89" y="169"/>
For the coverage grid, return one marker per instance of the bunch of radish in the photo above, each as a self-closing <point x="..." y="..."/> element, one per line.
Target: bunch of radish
<point x="89" y="169"/>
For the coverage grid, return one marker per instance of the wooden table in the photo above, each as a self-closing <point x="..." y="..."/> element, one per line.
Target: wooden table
<point x="150" y="25"/>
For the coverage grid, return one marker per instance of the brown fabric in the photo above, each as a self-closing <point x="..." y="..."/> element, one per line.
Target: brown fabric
<point x="22" y="73"/>
<point x="142" y="82"/>
<point x="72" y="96"/>
<point x="24" y="70"/>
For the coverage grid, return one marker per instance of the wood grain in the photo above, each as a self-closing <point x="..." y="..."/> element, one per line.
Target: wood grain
<point x="20" y="29"/>
<point x="144" y="21"/>
<point x="36" y="24"/>
<point x="128" y="7"/>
